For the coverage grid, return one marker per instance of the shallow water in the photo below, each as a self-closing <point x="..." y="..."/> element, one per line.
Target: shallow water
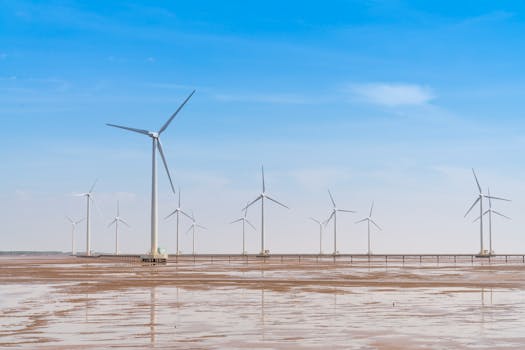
<point x="260" y="315"/>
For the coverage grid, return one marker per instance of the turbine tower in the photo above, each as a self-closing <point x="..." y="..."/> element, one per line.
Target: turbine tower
<point x="480" y="200"/>
<point x="89" y="199"/>
<point x="334" y="216"/>
<point x="369" y="221"/>
<point x="244" y="222"/>
<point x="116" y="220"/>
<point x="192" y="228"/>
<point x="156" y="144"/>
<point x="73" y="227"/>
<point x="178" y="211"/>
<point x="490" y="211"/>
<point x="320" y="234"/>
<point x="261" y="197"/>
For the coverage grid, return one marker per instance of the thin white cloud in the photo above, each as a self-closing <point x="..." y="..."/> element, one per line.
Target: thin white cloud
<point x="392" y="94"/>
<point x="3" y="55"/>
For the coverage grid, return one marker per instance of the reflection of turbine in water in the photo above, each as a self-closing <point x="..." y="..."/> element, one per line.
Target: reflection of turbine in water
<point x="263" y="330"/>
<point x="152" y="315"/>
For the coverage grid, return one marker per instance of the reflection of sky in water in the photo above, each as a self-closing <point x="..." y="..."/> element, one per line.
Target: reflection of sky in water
<point x="302" y="317"/>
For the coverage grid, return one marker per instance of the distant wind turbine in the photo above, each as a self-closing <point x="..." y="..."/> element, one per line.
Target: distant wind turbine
<point x="480" y="200"/>
<point x="244" y="222"/>
<point x="320" y="234"/>
<point x="192" y="229"/>
<point x="89" y="199"/>
<point x="334" y="216"/>
<point x="178" y="211"/>
<point x="369" y="220"/>
<point x="490" y="211"/>
<point x="155" y="138"/>
<point x="73" y="227"/>
<point x="261" y="197"/>
<point x="116" y="220"/>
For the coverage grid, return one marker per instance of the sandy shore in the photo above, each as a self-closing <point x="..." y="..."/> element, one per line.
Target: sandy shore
<point x="66" y="302"/>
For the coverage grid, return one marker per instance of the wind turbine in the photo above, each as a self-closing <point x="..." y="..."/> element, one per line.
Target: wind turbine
<point x="320" y="234"/>
<point x="178" y="211"/>
<point x="89" y="199"/>
<point x="155" y="139"/>
<point x="261" y="197"/>
<point x="73" y="227"/>
<point x="490" y="211"/>
<point x="480" y="200"/>
<point x="192" y="228"/>
<point x="370" y="220"/>
<point x="116" y="220"/>
<point x="244" y="222"/>
<point x="334" y="216"/>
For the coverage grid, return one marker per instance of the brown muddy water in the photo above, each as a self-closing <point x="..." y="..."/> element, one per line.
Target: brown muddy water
<point x="75" y="303"/>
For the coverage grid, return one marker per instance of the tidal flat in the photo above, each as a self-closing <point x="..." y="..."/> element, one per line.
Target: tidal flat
<point x="62" y="302"/>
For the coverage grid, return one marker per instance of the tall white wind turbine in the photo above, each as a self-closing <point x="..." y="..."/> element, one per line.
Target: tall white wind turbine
<point x="116" y="220"/>
<point x="177" y="212"/>
<point x="491" y="211"/>
<point x="318" y="222"/>
<point x="73" y="227"/>
<point x="261" y="197"/>
<point x="156" y="144"/>
<point x="244" y="221"/>
<point x="480" y="200"/>
<point x="192" y="229"/>
<point x="369" y="221"/>
<point x="89" y="199"/>
<point x="334" y="216"/>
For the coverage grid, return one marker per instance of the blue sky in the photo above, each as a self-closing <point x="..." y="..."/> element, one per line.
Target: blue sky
<point x="387" y="101"/>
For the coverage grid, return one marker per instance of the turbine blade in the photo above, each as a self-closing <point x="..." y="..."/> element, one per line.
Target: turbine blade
<point x="184" y="213"/>
<point x="189" y="228"/>
<point x="476" y="178"/>
<point x="255" y="200"/>
<point x="175" y="114"/>
<point x="371" y="208"/>
<point x="331" y="198"/>
<point x="171" y="214"/>
<point x="500" y="214"/>
<point x="124" y="222"/>
<point x="376" y="225"/>
<point x="112" y="222"/>
<point x="140" y="131"/>
<point x="315" y="220"/>
<point x="179" y="198"/>
<point x="79" y="221"/>
<point x="361" y="220"/>
<point x="329" y="218"/>
<point x="476" y="219"/>
<point x="499" y="198"/>
<point x="274" y="200"/>
<point x="165" y="164"/>
<point x="490" y="199"/>
<point x="472" y="206"/>
<point x="249" y="223"/>
<point x="203" y="227"/>
<point x="233" y="222"/>
<point x="346" y="211"/>
<point x="118" y="208"/>
<point x="70" y="220"/>
<point x="93" y="186"/>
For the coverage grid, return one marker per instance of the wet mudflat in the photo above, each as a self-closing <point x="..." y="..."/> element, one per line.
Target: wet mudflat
<point x="76" y="303"/>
